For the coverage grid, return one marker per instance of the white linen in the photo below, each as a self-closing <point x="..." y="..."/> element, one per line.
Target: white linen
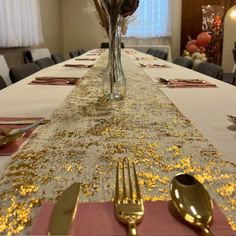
<point x="205" y="107"/>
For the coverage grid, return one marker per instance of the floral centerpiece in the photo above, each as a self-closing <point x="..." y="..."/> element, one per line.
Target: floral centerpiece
<point x="112" y="14"/>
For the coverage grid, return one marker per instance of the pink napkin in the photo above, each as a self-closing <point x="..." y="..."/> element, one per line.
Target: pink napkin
<point x="98" y="219"/>
<point x="78" y="65"/>
<point x="55" y="81"/>
<point x="11" y="148"/>
<point x="185" y="84"/>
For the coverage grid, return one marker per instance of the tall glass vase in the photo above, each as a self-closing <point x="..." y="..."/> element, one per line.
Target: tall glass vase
<point x="114" y="84"/>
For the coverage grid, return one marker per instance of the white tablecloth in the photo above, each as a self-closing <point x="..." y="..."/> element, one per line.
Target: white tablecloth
<point x="205" y="107"/>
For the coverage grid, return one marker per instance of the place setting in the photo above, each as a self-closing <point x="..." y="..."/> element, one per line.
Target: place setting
<point x="55" y="80"/>
<point x="190" y="212"/>
<point x="153" y="65"/>
<point x="80" y="65"/>
<point x="14" y="131"/>
<point x="185" y="83"/>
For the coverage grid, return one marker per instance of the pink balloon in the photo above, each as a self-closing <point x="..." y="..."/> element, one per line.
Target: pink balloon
<point x="202" y="49"/>
<point x="203" y="39"/>
<point x="191" y="48"/>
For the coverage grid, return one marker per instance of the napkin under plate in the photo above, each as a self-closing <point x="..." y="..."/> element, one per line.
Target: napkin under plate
<point x="98" y="219"/>
<point x="78" y="65"/>
<point x="55" y="80"/>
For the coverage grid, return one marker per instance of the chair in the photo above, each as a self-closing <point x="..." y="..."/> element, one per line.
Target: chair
<point x="106" y="45"/>
<point x="4" y="70"/>
<point x="210" y="69"/>
<point x="57" y="58"/>
<point x="151" y="51"/>
<point x="183" y="61"/>
<point x="234" y="77"/>
<point x="31" y="55"/>
<point x="161" y="54"/>
<point x="2" y="83"/>
<point x="44" y="62"/>
<point x="73" y="54"/>
<point x="81" y="51"/>
<point x="21" y="71"/>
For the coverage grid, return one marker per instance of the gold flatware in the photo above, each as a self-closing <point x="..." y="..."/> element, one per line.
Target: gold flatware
<point x="14" y="134"/>
<point x="129" y="208"/>
<point x="192" y="202"/>
<point x="232" y="119"/>
<point x="64" y="211"/>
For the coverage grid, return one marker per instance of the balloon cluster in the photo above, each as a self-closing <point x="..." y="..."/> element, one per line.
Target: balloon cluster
<point x="195" y="48"/>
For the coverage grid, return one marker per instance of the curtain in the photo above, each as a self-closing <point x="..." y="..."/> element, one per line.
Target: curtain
<point x="152" y="19"/>
<point x="20" y="23"/>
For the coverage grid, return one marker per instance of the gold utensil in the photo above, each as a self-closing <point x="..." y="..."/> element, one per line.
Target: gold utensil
<point x="232" y="119"/>
<point x="192" y="202"/>
<point x="14" y="134"/>
<point x="129" y="208"/>
<point x="64" y="211"/>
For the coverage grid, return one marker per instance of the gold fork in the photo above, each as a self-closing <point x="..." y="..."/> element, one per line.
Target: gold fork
<point x="129" y="208"/>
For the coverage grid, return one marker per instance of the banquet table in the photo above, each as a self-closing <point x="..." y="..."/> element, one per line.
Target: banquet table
<point x="163" y="130"/>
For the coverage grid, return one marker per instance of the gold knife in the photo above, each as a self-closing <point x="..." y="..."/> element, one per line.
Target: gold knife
<point x="64" y="211"/>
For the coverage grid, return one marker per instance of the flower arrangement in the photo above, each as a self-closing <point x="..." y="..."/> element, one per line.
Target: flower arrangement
<point x="118" y="8"/>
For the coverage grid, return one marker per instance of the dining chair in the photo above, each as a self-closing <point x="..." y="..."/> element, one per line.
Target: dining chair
<point x="210" y="69"/>
<point x="151" y="51"/>
<point x="57" y="58"/>
<point x="2" y="83"/>
<point x="160" y="54"/>
<point x="4" y="69"/>
<point x="234" y="77"/>
<point x="21" y="71"/>
<point x="104" y="45"/>
<point x="183" y="61"/>
<point x="33" y="54"/>
<point x="44" y="62"/>
<point x="81" y="51"/>
<point x="73" y="54"/>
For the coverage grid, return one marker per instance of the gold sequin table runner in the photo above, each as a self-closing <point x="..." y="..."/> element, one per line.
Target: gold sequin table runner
<point x="86" y="137"/>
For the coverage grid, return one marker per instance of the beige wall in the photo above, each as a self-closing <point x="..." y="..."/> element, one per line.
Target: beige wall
<point x="229" y="39"/>
<point x="80" y="26"/>
<point x="82" y="30"/>
<point x="51" y="13"/>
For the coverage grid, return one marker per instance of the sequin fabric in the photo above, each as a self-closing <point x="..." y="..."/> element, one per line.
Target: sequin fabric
<point x="86" y="137"/>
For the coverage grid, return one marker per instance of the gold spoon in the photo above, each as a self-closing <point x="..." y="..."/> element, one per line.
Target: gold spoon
<point x="14" y="134"/>
<point x="192" y="202"/>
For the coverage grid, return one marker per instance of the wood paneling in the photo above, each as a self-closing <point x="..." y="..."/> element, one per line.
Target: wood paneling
<point x="192" y="17"/>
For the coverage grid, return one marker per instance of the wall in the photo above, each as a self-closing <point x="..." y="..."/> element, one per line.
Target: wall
<point x="229" y="39"/>
<point x="77" y="15"/>
<point x="52" y="30"/>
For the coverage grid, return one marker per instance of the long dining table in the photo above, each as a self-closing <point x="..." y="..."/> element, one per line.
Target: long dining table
<point x="163" y="130"/>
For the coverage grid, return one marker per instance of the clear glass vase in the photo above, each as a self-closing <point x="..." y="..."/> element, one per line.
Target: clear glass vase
<point x="114" y="83"/>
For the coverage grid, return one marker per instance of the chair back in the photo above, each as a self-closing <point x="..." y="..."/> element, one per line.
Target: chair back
<point x="104" y="45"/>
<point x="31" y="55"/>
<point x="183" y="61"/>
<point x="22" y="71"/>
<point x="2" y="83"/>
<point x="234" y="55"/>
<point x="73" y="54"/>
<point x="160" y="54"/>
<point x="4" y="70"/>
<point x="81" y="51"/>
<point x="44" y="62"/>
<point x="210" y="69"/>
<point x="57" y="58"/>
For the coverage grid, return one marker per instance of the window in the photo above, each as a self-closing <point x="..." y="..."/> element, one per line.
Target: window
<point x="152" y="19"/>
<point x="20" y="23"/>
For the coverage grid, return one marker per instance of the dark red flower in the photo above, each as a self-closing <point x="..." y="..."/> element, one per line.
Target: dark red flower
<point x="129" y="7"/>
